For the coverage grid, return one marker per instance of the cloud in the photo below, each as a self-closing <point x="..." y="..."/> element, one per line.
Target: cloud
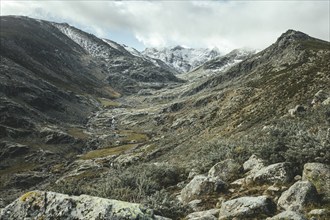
<point x="224" y="24"/>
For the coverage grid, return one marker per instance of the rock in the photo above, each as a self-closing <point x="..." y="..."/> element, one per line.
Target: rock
<point x="253" y="163"/>
<point x="195" y="205"/>
<point x="299" y="109"/>
<point x="298" y="196"/>
<point x="50" y="205"/>
<point x="275" y="173"/>
<point x="326" y="102"/>
<point x="56" y="136"/>
<point x="319" y="213"/>
<point x="247" y="207"/>
<point x="9" y="149"/>
<point x="288" y="215"/>
<point x="319" y="175"/>
<point x="201" y="185"/>
<point x="225" y="170"/>
<point x="26" y="180"/>
<point x="320" y="97"/>
<point x="204" y="215"/>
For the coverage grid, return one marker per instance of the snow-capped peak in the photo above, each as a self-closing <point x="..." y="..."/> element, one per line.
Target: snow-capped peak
<point x="182" y="58"/>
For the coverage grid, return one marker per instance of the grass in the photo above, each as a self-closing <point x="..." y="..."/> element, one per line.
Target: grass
<point x="107" y="103"/>
<point x="18" y="168"/>
<point x="129" y="136"/>
<point x="77" y="133"/>
<point x="107" y="151"/>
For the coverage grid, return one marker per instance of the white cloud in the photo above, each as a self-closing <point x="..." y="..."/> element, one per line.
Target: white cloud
<point x="225" y="24"/>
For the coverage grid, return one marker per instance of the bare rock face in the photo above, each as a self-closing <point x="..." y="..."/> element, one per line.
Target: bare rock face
<point x="201" y="185"/>
<point x="204" y="215"/>
<point x="247" y="207"/>
<point x="253" y="163"/>
<point x="288" y="215"/>
<point x="319" y="175"/>
<point x="298" y="196"/>
<point x="225" y="170"/>
<point x="50" y="205"/>
<point x="275" y="173"/>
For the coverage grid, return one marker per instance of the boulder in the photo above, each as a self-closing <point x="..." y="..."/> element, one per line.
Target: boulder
<point x="298" y="196"/>
<point x="299" y="109"/>
<point x="200" y="186"/>
<point x="247" y="207"/>
<point x="288" y="215"/>
<point x="319" y="214"/>
<point x="253" y="163"/>
<point x="225" y="170"/>
<point x="276" y="173"/>
<point x="319" y="175"/>
<point x="51" y="205"/>
<point x="204" y="215"/>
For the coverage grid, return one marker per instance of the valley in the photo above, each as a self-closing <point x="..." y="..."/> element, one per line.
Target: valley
<point x="104" y="122"/>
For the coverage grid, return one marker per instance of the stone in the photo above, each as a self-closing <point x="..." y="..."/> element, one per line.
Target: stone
<point x="319" y="213"/>
<point x="319" y="175"/>
<point x="253" y="163"/>
<point x="225" y="170"/>
<point x="204" y="215"/>
<point x="276" y="173"/>
<point x="247" y="207"/>
<point x="12" y="150"/>
<point x="201" y="185"/>
<point x="51" y="205"/>
<point x="195" y="205"/>
<point x="288" y="215"/>
<point x="298" y="196"/>
<point x="299" y="109"/>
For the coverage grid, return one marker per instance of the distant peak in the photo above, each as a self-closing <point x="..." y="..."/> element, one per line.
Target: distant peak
<point x="178" y="48"/>
<point x="293" y="35"/>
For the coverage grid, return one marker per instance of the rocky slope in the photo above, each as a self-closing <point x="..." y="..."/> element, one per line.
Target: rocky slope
<point x="125" y="72"/>
<point x="254" y="136"/>
<point x="181" y="58"/>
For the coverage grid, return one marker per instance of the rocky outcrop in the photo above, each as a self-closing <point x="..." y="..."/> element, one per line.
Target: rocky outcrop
<point x="288" y="215"/>
<point x="253" y="163"/>
<point x="319" y="175"/>
<point x="247" y="207"/>
<point x="11" y="150"/>
<point x="50" y="205"/>
<point x="298" y="196"/>
<point x="204" y="215"/>
<point x="275" y="173"/>
<point x="200" y="186"/>
<point x="225" y="170"/>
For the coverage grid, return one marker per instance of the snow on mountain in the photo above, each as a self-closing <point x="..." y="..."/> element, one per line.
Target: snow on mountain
<point x="95" y="46"/>
<point x="181" y="58"/>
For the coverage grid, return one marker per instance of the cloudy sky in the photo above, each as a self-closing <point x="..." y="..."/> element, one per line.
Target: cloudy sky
<point x="225" y="24"/>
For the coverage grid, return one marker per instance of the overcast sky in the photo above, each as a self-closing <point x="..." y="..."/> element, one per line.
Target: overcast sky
<point x="224" y="24"/>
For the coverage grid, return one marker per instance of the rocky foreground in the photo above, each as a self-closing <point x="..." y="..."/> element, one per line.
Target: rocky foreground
<point x="228" y="191"/>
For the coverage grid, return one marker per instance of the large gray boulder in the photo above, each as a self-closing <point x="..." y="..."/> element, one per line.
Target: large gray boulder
<point x="288" y="215"/>
<point x="204" y="215"/>
<point x="280" y="173"/>
<point x="298" y="196"/>
<point x="200" y="186"/>
<point x="319" y="175"/>
<point x="247" y="207"/>
<point x="253" y="164"/>
<point x="51" y="205"/>
<point x="225" y="170"/>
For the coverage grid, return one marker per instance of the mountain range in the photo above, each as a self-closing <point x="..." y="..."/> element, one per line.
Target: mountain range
<point x="93" y="129"/>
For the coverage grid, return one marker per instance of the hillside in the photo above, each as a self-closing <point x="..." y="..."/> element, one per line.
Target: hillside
<point x="254" y="134"/>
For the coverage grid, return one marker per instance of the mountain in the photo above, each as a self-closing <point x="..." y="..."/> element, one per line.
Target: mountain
<point x="218" y="64"/>
<point x="252" y="131"/>
<point x="181" y="58"/>
<point x="126" y="73"/>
